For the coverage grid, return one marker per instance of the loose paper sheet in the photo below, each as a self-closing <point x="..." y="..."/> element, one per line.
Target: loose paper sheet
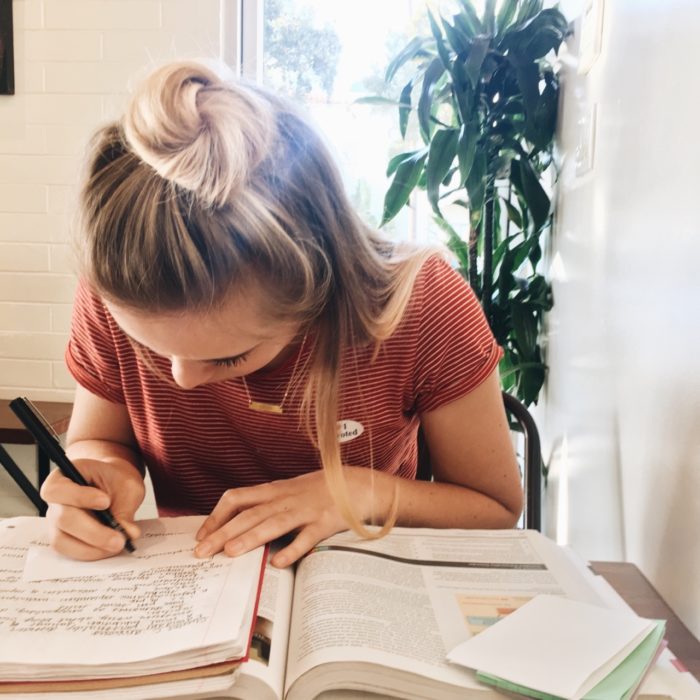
<point x="554" y="645"/>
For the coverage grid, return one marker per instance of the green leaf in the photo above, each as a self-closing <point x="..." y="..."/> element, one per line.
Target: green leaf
<point x="507" y="374"/>
<point x="463" y="91"/>
<point x="543" y="42"/>
<point x="500" y="251"/>
<point x="537" y="36"/>
<point x="528" y="77"/>
<point x="523" y="250"/>
<point x="528" y="185"/>
<point x="468" y="19"/>
<point x="455" y="243"/>
<point x="457" y="38"/>
<point x="479" y="49"/>
<point x="466" y="149"/>
<point x="514" y="214"/>
<point x="541" y="293"/>
<point x="375" y="100"/>
<point x="405" y="179"/>
<point x="489" y="20"/>
<point x="506" y="280"/>
<point x="425" y="103"/>
<point x="439" y="41"/>
<point x="544" y="119"/>
<point x="525" y="328"/>
<point x="400" y="158"/>
<point x="528" y="10"/>
<point x="405" y="107"/>
<point x="443" y="148"/>
<point x="476" y="182"/>
<point x="531" y="381"/>
<point x="406" y="54"/>
<point x="505" y="15"/>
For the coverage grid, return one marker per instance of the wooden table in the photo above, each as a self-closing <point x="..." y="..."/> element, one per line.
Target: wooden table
<point x="12" y="432"/>
<point x="641" y="596"/>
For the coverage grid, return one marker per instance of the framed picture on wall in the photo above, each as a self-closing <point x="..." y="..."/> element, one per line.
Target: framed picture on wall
<point x="7" y="61"/>
<point x="591" y="34"/>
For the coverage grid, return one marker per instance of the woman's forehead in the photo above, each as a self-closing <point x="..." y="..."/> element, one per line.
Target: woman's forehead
<point x="232" y="328"/>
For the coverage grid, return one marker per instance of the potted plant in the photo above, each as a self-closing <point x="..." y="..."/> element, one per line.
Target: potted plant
<point x="485" y="93"/>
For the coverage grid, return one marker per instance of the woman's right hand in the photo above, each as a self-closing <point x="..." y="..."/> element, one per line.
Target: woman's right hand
<point x="73" y="530"/>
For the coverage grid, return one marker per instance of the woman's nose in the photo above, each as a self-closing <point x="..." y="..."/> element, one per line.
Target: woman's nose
<point x="188" y="374"/>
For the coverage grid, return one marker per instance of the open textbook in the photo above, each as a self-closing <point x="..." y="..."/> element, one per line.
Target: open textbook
<point x="376" y="619"/>
<point x="158" y="615"/>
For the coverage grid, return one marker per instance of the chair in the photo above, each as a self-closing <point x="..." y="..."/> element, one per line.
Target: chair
<point x="521" y="422"/>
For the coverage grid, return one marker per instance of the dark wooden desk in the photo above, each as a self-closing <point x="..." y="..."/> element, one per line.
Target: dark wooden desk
<point x="641" y="596"/>
<point x="12" y="432"/>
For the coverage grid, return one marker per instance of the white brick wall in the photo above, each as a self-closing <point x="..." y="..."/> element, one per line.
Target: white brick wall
<point x="74" y="63"/>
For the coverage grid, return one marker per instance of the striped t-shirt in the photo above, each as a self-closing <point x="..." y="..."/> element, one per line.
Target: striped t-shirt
<point x="199" y="442"/>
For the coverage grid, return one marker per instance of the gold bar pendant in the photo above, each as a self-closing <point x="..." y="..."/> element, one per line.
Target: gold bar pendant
<point x="262" y="407"/>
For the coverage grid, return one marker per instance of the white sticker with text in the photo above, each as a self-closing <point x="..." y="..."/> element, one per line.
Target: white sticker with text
<point x="349" y="430"/>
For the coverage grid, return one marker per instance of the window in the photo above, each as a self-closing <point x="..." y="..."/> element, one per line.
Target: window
<point x="327" y="55"/>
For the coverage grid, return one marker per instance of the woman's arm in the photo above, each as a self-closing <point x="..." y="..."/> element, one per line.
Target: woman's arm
<point x="101" y="444"/>
<point x="476" y="476"/>
<point x="477" y="485"/>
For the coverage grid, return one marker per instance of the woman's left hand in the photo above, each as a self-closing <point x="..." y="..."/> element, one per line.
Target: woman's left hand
<point x="248" y="517"/>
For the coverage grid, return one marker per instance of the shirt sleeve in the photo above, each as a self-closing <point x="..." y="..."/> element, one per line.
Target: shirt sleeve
<point x="456" y="350"/>
<point x="92" y="354"/>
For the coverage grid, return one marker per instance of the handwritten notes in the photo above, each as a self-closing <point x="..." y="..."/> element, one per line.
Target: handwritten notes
<point x="167" y="541"/>
<point x="125" y="610"/>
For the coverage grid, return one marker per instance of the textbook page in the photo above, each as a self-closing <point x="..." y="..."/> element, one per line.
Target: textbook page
<point x="262" y="676"/>
<point x="404" y="601"/>
<point x="130" y="615"/>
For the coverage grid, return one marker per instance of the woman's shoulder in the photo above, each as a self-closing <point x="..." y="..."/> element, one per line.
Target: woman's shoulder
<point x="438" y="287"/>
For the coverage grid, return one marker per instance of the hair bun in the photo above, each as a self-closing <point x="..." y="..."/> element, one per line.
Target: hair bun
<point x="198" y="131"/>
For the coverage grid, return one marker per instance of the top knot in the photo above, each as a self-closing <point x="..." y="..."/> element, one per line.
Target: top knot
<point x="196" y="130"/>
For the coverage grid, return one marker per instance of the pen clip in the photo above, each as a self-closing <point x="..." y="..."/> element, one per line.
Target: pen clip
<point x="35" y="412"/>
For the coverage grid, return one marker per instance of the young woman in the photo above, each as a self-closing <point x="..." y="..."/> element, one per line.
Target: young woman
<point x="243" y="335"/>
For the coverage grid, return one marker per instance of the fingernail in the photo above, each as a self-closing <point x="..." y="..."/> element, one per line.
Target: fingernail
<point x="234" y="549"/>
<point x="115" y="543"/>
<point x="203" y="550"/>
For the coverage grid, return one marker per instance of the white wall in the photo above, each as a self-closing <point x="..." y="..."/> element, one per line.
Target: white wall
<point x="74" y="60"/>
<point x="623" y="395"/>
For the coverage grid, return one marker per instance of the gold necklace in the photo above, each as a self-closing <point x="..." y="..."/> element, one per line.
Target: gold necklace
<point x="278" y="408"/>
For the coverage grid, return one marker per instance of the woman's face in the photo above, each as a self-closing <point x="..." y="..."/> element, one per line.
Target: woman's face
<point x="205" y="347"/>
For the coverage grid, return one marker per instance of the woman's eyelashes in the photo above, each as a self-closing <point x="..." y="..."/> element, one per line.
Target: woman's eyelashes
<point x="231" y="361"/>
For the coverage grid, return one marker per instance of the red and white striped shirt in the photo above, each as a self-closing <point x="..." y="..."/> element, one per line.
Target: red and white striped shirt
<point x="199" y="442"/>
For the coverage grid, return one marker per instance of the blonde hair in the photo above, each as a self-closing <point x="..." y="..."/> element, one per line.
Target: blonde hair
<point x="205" y="185"/>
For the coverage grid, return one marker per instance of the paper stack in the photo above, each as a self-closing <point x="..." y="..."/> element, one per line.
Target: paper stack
<point x="153" y="617"/>
<point x="553" y="648"/>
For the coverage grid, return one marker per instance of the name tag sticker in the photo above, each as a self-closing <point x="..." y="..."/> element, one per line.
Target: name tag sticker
<point x="349" y="430"/>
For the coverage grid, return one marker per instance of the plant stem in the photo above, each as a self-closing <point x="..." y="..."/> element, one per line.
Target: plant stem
<point x="473" y="268"/>
<point x="487" y="226"/>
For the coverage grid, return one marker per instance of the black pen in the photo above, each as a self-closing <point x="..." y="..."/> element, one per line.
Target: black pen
<point x="47" y="440"/>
